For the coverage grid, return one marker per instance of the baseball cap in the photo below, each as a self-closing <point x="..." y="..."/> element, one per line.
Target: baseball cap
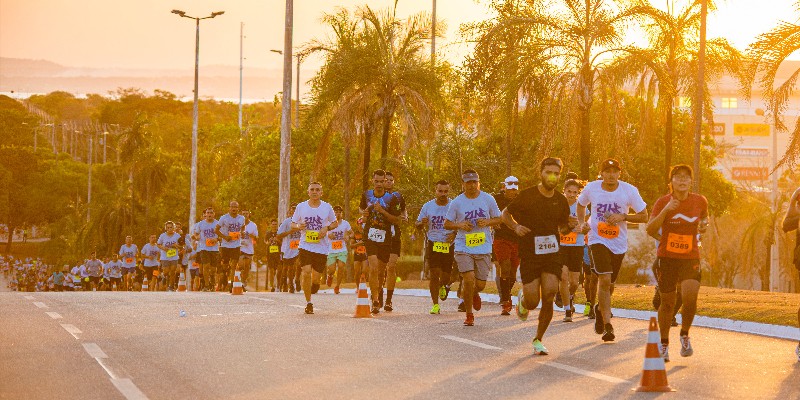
<point x="511" y="182"/>
<point x="470" y="175"/>
<point x="681" y="167"/>
<point x="610" y="163"/>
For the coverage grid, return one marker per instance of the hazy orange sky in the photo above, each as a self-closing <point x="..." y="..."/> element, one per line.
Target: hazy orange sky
<point x="144" y="34"/>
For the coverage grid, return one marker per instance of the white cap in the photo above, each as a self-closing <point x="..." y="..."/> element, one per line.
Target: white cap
<point x="511" y="182"/>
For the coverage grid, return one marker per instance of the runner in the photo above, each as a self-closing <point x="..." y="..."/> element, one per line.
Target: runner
<point x="539" y="215"/>
<point x="680" y="216"/>
<point x="790" y="223"/>
<point x="114" y="272"/>
<point x="571" y="251"/>
<point x="315" y="218"/>
<point x="229" y="227"/>
<point x="274" y="262"/>
<point x="394" y="253"/>
<point x="249" y="239"/>
<point x="193" y="273"/>
<point x="337" y="249"/>
<point x="204" y="233"/>
<point x="128" y="253"/>
<point x="589" y="281"/>
<point x="94" y="270"/>
<point x="168" y="244"/>
<point x="290" y="247"/>
<point x="151" y="253"/>
<point x="472" y="214"/>
<point x="506" y="247"/>
<point x="359" y="252"/>
<point x="439" y="244"/>
<point x="381" y="211"/>
<point x="608" y="238"/>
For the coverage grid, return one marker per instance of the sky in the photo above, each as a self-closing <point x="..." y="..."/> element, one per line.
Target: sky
<point x="143" y="34"/>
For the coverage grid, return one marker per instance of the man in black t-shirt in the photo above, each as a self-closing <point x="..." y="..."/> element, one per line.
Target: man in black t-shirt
<point x="505" y="246"/>
<point x="538" y="215"/>
<point x="791" y="222"/>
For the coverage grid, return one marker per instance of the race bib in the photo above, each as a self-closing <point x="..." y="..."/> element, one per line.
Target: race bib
<point x="211" y="242"/>
<point x="441" y="247"/>
<point x="572" y="238"/>
<point x="274" y="249"/>
<point x="195" y="265"/>
<point x="376" y="235"/>
<point x="680" y="244"/>
<point x="361" y="250"/>
<point x="234" y="235"/>
<point x="607" y="231"/>
<point x="312" y="236"/>
<point x="475" y="239"/>
<point x="172" y="253"/>
<point x="294" y="244"/>
<point x="337" y="245"/>
<point x="129" y="260"/>
<point x="546" y="244"/>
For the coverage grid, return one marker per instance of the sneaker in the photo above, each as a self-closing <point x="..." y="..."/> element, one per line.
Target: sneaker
<point x="568" y="316"/>
<point x="470" y="321"/>
<point x="388" y="306"/>
<point x="522" y="312"/>
<point x="591" y="312"/>
<point x="587" y="309"/>
<point x="538" y="348"/>
<point x="273" y="289"/>
<point x="435" y="309"/>
<point x="664" y="350"/>
<point x="291" y="289"/>
<point x="598" y="322"/>
<point x="376" y="307"/>
<point x="336" y="290"/>
<point x="608" y="333"/>
<point x="559" y="303"/>
<point x="309" y="308"/>
<point x="461" y="307"/>
<point x="444" y="291"/>
<point x="506" y="308"/>
<point x="476" y="301"/>
<point x="674" y="322"/>
<point x="686" y="347"/>
<point x="329" y="281"/>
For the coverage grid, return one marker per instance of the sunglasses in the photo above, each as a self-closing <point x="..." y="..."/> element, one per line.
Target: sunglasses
<point x="512" y="183"/>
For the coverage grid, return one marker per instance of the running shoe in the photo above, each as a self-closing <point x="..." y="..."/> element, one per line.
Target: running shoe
<point x="522" y="312"/>
<point x="309" y="308"/>
<point x="470" y="321"/>
<point x="591" y="312"/>
<point x="674" y="322"/>
<point x="461" y="307"/>
<point x="686" y="347"/>
<point x="329" y="281"/>
<point x="559" y="303"/>
<point x="598" y="322"/>
<point x="664" y="349"/>
<point x="608" y="333"/>
<point x="388" y="306"/>
<point x="587" y="309"/>
<point x="291" y="289"/>
<point x="506" y="308"/>
<point x="476" y="301"/>
<point x="568" y="316"/>
<point x="376" y="307"/>
<point x="538" y="348"/>
<point x="444" y="291"/>
<point x="336" y="289"/>
<point x="435" y="309"/>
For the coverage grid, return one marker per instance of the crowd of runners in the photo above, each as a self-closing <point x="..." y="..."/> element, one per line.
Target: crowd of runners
<point x="554" y="241"/>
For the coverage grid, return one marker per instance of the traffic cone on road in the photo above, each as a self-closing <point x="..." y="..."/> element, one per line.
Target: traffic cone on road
<point x="237" y="284"/>
<point x="654" y="373"/>
<point x="362" y="304"/>
<point x="144" y="285"/>
<point x="182" y="283"/>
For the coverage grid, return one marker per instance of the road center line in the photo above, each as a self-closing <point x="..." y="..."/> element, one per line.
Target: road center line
<point x="94" y="350"/>
<point x="108" y="371"/>
<point x="40" y="304"/>
<point x="583" y="372"/>
<point x="470" y="342"/>
<point x="128" y="389"/>
<point x="71" y="329"/>
<point x="262" y="299"/>
<point x="29" y="297"/>
<point x="53" y="315"/>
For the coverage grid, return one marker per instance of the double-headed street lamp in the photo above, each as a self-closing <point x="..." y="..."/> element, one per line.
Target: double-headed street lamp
<point x="193" y="189"/>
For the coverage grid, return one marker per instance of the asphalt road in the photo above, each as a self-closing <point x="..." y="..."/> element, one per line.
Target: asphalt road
<point x="107" y="345"/>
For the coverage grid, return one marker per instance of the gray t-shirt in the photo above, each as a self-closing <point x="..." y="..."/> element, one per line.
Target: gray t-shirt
<point x="232" y="226"/>
<point x="128" y="255"/>
<point x="479" y="239"/>
<point x="290" y="245"/>
<point x="436" y="215"/>
<point x="94" y="268"/>
<point x="207" y="238"/>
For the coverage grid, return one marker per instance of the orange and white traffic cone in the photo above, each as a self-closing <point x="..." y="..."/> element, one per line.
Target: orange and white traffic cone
<point x="237" y="284"/>
<point x="182" y="283"/>
<point x="654" y="373"/>
<point x="145" y="287"/>
<point x="362" y="304"/>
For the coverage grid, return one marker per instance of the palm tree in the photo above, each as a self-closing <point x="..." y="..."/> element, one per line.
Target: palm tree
<point x="766" y="57"/>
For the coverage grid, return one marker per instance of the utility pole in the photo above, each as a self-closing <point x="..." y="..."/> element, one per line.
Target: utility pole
<point x="241" y="69"/>
<point x="698" y="98"/>
<point x="89" y="195"/>
<point x="286" y="114"/>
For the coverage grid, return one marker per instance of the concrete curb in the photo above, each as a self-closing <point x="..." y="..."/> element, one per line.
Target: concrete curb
<point x="755" y="328"/>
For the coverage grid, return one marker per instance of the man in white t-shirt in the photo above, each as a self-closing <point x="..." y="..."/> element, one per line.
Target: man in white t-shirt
<point x="249" y="238"/>
<point x="229" y="227"/>
<point x="169" y="257"/>
<point x="128" y="253"/>
<point x="204" y="232"/>
<point x="337" y="249"/>
<point x="315" y="218"/>
<point x="608" y="235"/>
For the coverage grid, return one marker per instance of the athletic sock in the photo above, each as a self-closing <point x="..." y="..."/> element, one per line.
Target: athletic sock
<point x="389" y="294"/>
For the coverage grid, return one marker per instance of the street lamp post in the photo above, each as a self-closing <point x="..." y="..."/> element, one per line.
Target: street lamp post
<point x="299" y="57"/>
<point x="105" y="141"/>
<point x="193" y="189"/>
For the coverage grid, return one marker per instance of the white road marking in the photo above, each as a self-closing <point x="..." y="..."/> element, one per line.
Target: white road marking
<point x="29" y="297"/>
<point x="94" y="350"/>
<point x="40" y="304"/>
<point x="72" y="330"/>
<point x="470" y="342"/>
<point x="583" y="372"/>
<point x="128" y="389"/>
<point x="108" y="371"/>
<point x="262" y="299"/>
<point x="53" y="315"/>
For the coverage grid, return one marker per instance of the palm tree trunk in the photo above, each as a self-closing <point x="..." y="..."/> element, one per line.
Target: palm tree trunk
<point x="365" y="162"/>
<point x="347" y="179"/>
<point x="147" y="208"/>
<point x="585" y="108"/>
<point x="387" y="126"/>
<point x="668" y="142"/>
